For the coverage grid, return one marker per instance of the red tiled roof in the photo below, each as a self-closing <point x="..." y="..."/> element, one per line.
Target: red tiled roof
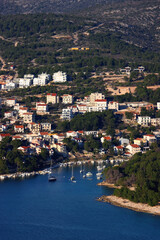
<point x="5" y="135"/>
<point x="107" y="138"/>
<point x="119" y="147"/>
<point x="52" y="94"/>
<point x="101" y="100"/>
<point x="19" y="126"/>
<point x="149" y="135"/>
<point x="134" y="145"/>
<point x="44" y="133"/>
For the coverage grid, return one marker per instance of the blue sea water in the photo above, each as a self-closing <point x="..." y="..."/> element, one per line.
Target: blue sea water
<point x="35" y="209"/>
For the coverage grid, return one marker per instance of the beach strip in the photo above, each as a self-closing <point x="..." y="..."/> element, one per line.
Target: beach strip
<point x="125" y="203"/>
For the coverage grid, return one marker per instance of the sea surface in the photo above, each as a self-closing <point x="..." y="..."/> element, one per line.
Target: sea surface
<point x="35" y="209"/>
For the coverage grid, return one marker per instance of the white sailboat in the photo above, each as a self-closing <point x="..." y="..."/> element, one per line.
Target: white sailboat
<point x="81" y="170"/>
<point x="51" y="177"/>
<point x="72" y="177"/>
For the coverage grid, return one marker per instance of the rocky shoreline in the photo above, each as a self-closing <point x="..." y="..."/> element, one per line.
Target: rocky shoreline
<point x="125" y="203"/>
<point x="112" y="185"/>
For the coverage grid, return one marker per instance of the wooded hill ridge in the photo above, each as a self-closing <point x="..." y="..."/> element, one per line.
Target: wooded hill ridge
<point x="136" y="21"/>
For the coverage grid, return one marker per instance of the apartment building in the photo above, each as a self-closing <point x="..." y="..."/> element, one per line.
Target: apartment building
<point x="67" y="99"/>
<point x="144" y="120"/>
<point x="96" y="96"/>
<point x="19" y="128"/>
<point x="52" y="98"/>
<point x="28" y="117"/>
<point x="113" y="105"/>
<point x="59" y="77"/>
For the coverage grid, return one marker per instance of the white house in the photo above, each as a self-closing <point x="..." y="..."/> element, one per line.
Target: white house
<point x="8" y="114"/>
<point x="106" y="138"/>
<point x="71" y="134"/>
<point x="101" y="104"/>
<point x="41" y="108"/>
<point x="124" y="141"/>
<point x="22" y="110"/>
<point x="25" y="82"/>
<point x="113" y="105"/>
<point x="96" y="96"/>
<point x="10" y="102"/>
<point x="10" y="86"/>
<point x="150" y="138"/>
<point x="118" y="149"/>
<point x="41" y="80"/>
<point x="28" y="117"/>
<point x="133" y="148"/>
<point x="67" y="99"/>
<point x="46" y="126"/>
<point x="158" y="105"/>
<point x="82" y="108"/>
<point x="52" y="98"/>
<point x="144" y="120"/>
<point x="19" y="128"/>
<point x="59" y="77"/>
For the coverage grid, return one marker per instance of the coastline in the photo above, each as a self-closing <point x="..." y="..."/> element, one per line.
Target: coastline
<point x="106" y="184"/>
<point x="112" y="185"/>
<point x="125" y="203"/>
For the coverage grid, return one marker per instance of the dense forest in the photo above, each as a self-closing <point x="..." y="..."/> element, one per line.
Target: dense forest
<point x="91" y="121"/>
<point x="142" y="172"/>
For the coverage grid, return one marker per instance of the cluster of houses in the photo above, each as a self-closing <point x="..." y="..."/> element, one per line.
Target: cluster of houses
<point x="127" y="70"/>
<point x="8" y="83"/>
<point x="41" y="135"/>
<point x="96" y="102"/>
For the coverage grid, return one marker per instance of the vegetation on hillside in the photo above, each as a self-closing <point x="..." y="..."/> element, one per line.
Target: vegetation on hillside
<point x="142" y="172"/>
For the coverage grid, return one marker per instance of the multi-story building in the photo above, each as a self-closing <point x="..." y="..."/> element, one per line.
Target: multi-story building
<point x="158" y="105"/>
<point x="28" y="117"/>
<point x="67" y="114"/>
<point x="82" y="108"/>
<point x="113" y="105"/>
<point x="133" y="148"/>
<point x="144" y="120"/>
<point x="101" y="104"/>
<point x="140" y="141"/>
<point x="96" y="96"/>
<point x="8" y="114"/>
<point x="46" y="127"/>
<point x="52" y="98"/>
<point x="59" y="77"/>
<point x="67" y="99"/>
<point x="41" y="80"/>
<point x="150" y="138"/>
<point x="22" y="110"/>
<point x="155" y="122"/>
<point x="34" y="127"/>
<point x="41" y="108"/>
<point x="19" y="128"/>
<point x="10" y="102"/>
<point x="10" y="86"/>
<point x="71" y="134"/>
<point x="25" y="82"/>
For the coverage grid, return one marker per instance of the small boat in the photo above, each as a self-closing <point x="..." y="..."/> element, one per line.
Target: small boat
<point x="84" y="175"/>
<point x="99" y="176"/>
<point x="51" y="177"/>
<point x="81" y="170"/>
<point x="89" y="174"/>
<point x="72" y="177"/>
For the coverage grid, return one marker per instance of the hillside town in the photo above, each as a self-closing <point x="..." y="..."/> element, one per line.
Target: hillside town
<point x="21" y="122"/>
